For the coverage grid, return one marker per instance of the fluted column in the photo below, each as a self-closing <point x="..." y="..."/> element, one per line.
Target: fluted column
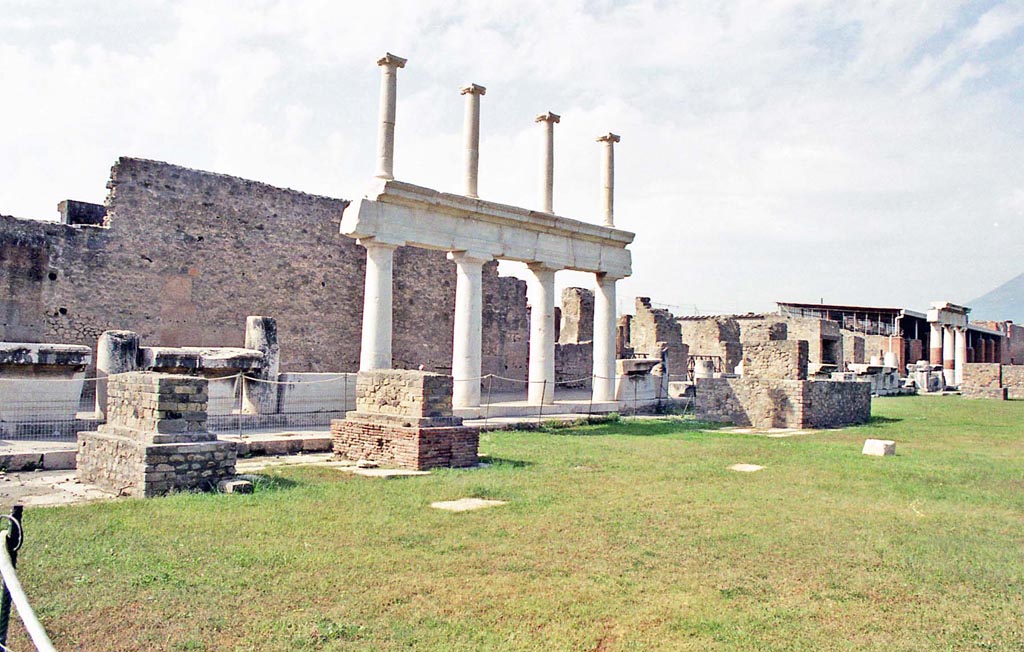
<point x="471" y="132"/>
<point x="377" y="303"/>
<point x="468" y="329"/>
<point x="547" y="170"/>
<point x="389" y="65"/>
<point x="604" y="338"/>
<point x="608" y="177"/>
<point x="542" y="335"/>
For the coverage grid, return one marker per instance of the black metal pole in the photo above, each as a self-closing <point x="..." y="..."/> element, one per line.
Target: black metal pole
<point x="13" y="543"/>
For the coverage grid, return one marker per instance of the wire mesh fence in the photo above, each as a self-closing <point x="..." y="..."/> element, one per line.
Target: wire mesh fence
<point x="41" y="408"/>
<point x="56" y="409"/>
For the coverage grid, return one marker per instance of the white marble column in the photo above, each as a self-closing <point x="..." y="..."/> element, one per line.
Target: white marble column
<point x="466" y="345"/>
<point x="604" y="338"/>
<point x="947" y="356"/>
<point x="608" y="177"/>
<point x="389" y="65"/>
<point x="377" y="300"/>
<point x="471" y="132"/>
<point x="935" y="343"/>
<point x="959" y="355"/>
<point x="542" y="335"/>
<point x="547" y="170"/>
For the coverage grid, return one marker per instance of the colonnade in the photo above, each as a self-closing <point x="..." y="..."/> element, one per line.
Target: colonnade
<point x="466" y="350"/>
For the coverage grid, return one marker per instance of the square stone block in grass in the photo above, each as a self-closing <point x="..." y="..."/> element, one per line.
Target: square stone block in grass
<point x="879" y="447"/>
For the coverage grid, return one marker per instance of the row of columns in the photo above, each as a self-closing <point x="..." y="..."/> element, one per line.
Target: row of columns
<point x="948" y="347"/>
<point x="468" y="325"/>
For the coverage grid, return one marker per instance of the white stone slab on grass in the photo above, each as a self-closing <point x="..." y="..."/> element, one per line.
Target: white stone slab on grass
<point x="466" y="504"/>
<point x="879" y="447"/>
<point x="745" y="468"/>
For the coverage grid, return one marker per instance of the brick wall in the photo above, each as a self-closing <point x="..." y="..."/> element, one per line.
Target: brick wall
<point x="831" y="404"/>
<point x="413" y="448"/>
<point x="189" y="254"/>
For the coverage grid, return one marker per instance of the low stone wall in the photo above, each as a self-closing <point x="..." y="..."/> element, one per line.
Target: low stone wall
<point x="773" y="403"/>
<point x="832" y="404"/>
<point x="982" y="380"/>
<point x="155" y="439"/>
<point x="1013" y="381"/>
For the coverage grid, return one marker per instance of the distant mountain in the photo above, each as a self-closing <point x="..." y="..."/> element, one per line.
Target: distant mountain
<point x="1004" y="302"/>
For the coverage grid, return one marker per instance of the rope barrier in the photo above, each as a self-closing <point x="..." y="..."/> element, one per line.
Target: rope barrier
<point x="12" y="586"/>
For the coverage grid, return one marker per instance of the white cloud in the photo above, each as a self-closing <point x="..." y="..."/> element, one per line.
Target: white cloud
<point x="859" y="151"/>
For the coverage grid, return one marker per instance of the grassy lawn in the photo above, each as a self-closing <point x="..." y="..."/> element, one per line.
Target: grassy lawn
<point x="627" y="536"/>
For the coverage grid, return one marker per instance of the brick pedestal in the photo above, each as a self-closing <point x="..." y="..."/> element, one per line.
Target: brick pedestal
<point x="404" y="418"/>
<point x="155" y="439"/>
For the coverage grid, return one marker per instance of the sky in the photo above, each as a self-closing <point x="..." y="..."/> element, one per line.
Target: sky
<point x="845" y="151"/>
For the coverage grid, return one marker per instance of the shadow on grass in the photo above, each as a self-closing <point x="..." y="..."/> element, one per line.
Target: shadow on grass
<point x="262" y="483"/>
<point x="501" y="462"/>
<point x="636" y="428"/>
<point x="876" y="422"/>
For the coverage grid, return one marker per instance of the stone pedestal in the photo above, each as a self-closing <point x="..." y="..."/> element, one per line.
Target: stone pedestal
<point x="155" y="440"/>
<point x="404" y="418"/>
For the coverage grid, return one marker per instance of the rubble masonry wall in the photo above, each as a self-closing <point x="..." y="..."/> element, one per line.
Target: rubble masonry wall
<point x="189" y="254"/>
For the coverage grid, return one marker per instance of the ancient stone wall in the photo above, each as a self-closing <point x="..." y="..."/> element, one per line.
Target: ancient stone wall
<point x="786" y="360"/>
<point x="1013" y="381"/>
<point x="853" y="348"/>
<point x="188" y="255"/>
<point x="653" y="325"/>
<point x="762" y="328"/>
<point x="832" y="404"/>
<point x="574" y="365"/>
<point x="982" y="380"/>
<point x="403" y="393"/>
<point x="155" y="439"/>
<point x="768" y="403"/>
<point x="719" y="336"/>
<point x="577" y="316"/>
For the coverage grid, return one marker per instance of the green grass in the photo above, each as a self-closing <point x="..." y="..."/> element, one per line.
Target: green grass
<point x="621" y="536"/>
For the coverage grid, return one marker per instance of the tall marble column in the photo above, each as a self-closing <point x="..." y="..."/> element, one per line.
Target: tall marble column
<point x="959" y="354"/>
<point x="948" y="356"/>
<point x="375" y="352"/>
<point x="608" y="177"/>
<point x="389" y="65"/>
<point x="471" y="134"/>
<point x="468" y="329"/>
<point x="542" y="335"/>
<point x="935" y="343"/>
<point x="604" y="338"/>
<point x="547" y="170"/>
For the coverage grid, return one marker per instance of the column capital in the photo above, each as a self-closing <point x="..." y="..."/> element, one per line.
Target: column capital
<point x="609" y="138"/>
<point x="548" y="117"/>
<point x="540" y="266"/>
<point x="471" y="257"/>
<point x="473" y="89"/>
<point x="375" y="243"/>
<point x="607" y="277"/>
<point x="391" y="60"/>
